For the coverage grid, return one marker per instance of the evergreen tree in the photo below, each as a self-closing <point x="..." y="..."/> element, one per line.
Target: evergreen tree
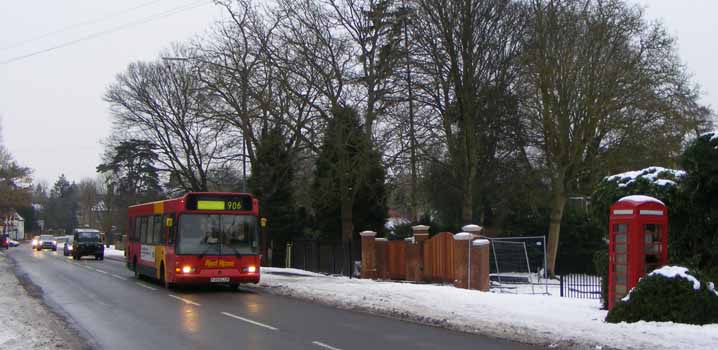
<point x="271" y="182"/>
<point x="697" y="208"/>
<point x="15" y="189"/>
<point x="131" y="178"/>
<point x="131" y="165"/>
<point x="349" y="193"/>
<point x="61" y="211"/>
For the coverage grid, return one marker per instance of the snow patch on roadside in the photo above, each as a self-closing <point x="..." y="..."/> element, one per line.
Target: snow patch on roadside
<point x="25" y="322"/>
<point x="111" y="251"/>
<point x="536" y="319"/>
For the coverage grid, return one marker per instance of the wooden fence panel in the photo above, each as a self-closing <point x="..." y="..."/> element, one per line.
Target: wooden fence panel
<point x="396" y="264"/>
<point x="439" y="258"/>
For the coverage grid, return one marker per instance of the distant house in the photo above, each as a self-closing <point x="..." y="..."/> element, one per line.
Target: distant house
<point x="14" y="226"/>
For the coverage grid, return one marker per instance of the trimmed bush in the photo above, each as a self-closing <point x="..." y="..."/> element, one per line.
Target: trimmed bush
<point x="663" y="299"/>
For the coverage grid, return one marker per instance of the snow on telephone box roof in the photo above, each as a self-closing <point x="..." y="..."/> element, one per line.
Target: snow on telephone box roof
<point x="640" y="199"/>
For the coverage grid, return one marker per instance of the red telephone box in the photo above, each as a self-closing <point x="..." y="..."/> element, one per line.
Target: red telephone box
<point x="638" y="243"/>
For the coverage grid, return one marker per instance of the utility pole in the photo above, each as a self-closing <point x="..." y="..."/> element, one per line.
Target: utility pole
<point x="412" y="135"/>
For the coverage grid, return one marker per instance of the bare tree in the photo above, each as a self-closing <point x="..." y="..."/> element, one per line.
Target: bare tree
<point x="467" y="50"/>
<point x="88" y="198"/>
<point x="166" y="104"/>
<point x="598" y="75"/>
<point x="338" y="58"/>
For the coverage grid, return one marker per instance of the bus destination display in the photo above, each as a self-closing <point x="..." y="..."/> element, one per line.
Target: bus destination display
<point x="219" y="203"/>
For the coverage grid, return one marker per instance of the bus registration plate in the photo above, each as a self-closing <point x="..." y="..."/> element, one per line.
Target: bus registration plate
<point x="219" y="279"/>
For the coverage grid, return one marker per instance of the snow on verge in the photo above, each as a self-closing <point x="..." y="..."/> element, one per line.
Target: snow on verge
<point x="111" y="251"/>
<point x="26" y="323"/>
<point x="537" y="319"/>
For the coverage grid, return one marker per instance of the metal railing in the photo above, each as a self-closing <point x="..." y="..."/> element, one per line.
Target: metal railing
<point x="580" y="286"/>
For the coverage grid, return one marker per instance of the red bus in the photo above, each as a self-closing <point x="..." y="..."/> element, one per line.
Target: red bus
<point x="200" y="238"/>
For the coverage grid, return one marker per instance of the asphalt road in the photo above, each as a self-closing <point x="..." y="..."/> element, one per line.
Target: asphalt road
<point x="116" y="311"/>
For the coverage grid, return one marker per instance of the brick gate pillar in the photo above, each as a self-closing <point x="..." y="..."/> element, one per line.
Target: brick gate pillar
<point x="480" y="265"/>
<point x="382" y="258"/>
<point x="368" y="254"/>
<point x="421" y="234"/>
<point x="462" y="242"/>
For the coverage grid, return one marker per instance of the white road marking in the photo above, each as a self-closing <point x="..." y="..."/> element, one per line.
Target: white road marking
<point x="119" y="277"/>
<point x="250" y="321"/>
<point x="145" y="286"/>
<point x="325" y="345"/>
<point x="101" y="271"/>
<point x="185" y="300"/>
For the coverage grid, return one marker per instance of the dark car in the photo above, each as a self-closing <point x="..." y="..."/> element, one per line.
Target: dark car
<point x="46" y="242"/>
<point x="87" y="241"/>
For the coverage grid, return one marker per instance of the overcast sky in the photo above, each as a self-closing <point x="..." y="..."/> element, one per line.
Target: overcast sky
<point x="53" y="115"/>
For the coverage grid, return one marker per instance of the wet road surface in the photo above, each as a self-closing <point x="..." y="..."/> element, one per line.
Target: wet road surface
<point x="116" y="311"/>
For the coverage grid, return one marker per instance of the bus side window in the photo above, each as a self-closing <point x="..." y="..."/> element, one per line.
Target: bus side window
<point x="150" y="230"/>
<point x="157" y="233"/>
<point x="136" y="233"/>
<point x="143" y="230"/>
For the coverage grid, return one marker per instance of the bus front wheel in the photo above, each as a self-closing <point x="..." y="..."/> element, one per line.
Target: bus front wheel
<point x="163" y="278"/>
<point x="134" y="268"/>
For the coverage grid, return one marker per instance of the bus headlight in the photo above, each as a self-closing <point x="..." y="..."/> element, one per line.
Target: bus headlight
<point x="250" y="269"/>
<point x="187" y="269"/>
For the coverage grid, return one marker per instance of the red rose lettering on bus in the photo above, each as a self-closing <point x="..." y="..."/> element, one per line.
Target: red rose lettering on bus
<point x="214" y="263"/>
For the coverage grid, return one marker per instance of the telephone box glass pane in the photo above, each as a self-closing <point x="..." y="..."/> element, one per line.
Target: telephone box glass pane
<point x="620" y="248"/>
<point x="620" y="237"/>
<point x="621" y="259"/>
<point x="620" y="228"/>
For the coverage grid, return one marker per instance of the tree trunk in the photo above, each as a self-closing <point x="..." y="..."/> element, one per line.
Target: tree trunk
<point x="347" y="219"/>
<point x="558" y="203"/>
<point x="467" y="212"/>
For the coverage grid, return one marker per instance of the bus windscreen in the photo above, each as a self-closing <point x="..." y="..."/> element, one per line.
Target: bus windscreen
<point x="217" y="234"/>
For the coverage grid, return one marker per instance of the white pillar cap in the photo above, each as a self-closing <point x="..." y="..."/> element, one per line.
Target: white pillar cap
<point x="463" y="236"/>
<point x="472" y="228"/>
<point x="420" y="228"/>
<point x="367" y="233"/>
<point x="481" y="242"/>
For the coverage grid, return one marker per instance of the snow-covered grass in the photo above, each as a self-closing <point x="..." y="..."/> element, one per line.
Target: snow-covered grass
<point x="537" y="319"/>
